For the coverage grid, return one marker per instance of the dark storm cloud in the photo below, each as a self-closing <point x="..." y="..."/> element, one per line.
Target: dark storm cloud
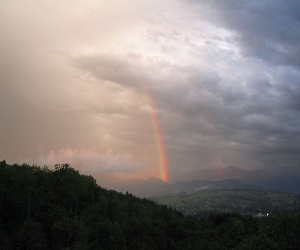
<point x="268" y="30"/>
<point x="199" y="103"/>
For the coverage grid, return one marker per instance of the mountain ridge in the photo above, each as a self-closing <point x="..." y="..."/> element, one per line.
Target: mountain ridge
<point x="230" y="177"/>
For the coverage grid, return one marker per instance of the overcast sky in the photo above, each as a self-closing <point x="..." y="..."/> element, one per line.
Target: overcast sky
<point x="223" y="76"/>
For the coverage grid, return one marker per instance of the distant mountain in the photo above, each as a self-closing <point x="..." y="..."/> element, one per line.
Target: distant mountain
<point x="141" y="188"/>
<point x="217" y="174"/>
<point x="230" y="177"/>
<point x="284" y="183"/>
<point x="154" y="187"/>
<point x="277" y="180"/>
<point x="195" y="186"/>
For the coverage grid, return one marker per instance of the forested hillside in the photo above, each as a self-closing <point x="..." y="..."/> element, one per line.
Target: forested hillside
<point x="62" y="209"/>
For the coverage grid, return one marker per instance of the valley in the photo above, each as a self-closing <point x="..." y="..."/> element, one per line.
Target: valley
<point x="243" y="201"/>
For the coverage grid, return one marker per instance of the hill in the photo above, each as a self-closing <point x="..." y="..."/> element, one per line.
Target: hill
<point x="58" y="209"/>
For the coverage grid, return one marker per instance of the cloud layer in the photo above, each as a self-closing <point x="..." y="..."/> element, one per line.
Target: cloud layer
<point x="223" y="77"/>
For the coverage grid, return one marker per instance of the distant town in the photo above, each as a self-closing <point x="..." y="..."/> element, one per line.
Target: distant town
<point x="250" y="202"/>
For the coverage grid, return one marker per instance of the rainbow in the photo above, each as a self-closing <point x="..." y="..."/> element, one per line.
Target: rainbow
<point x="161" y="149"/>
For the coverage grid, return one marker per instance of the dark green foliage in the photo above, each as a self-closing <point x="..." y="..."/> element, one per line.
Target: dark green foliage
<point x="29" y="236"/>
<point x="62" y="209"/>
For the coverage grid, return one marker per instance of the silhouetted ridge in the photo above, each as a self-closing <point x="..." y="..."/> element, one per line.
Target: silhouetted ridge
<point x="58" y="209"/>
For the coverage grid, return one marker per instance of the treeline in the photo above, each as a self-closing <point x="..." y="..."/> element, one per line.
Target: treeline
<point x="59" y="209"/>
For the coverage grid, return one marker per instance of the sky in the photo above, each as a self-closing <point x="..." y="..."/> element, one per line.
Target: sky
<point x="150" y="88"/>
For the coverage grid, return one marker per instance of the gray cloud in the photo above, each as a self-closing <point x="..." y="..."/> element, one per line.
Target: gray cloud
<point x="202" y="108"/>
<point x="267" y="30"/>
<point x="223" y="78"/>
